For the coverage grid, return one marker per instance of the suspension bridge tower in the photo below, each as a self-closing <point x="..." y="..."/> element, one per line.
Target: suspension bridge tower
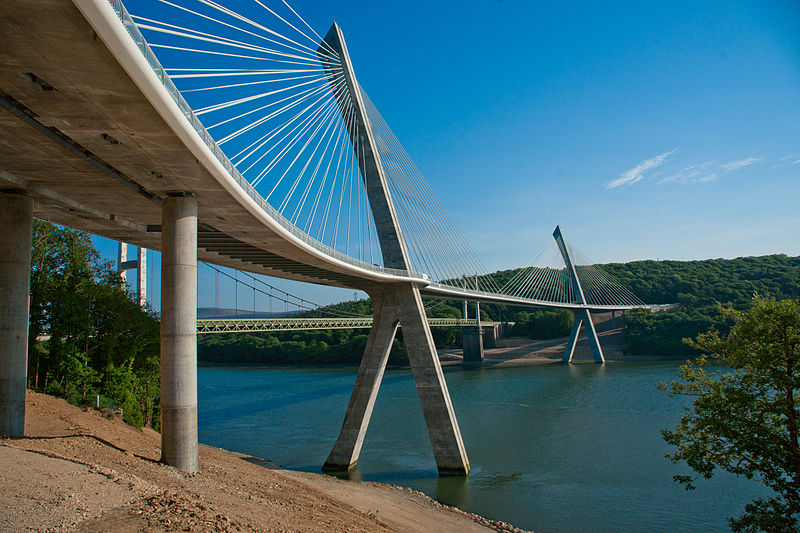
<point x="139" y="264"/>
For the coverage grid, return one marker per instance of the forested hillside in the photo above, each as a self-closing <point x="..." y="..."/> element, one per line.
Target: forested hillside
<point x="699" y="286"/>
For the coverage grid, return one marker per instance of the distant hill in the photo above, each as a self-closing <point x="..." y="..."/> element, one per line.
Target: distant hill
<point x="223" y="312"/>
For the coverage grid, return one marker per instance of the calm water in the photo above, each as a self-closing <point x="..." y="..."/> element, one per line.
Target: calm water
<point x="552" y="447"/>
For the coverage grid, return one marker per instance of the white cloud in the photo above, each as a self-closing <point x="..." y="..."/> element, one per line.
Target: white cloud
<point x="732" y="166"/>
<point x="709" y="171"/>
<point x="692" y="173"/>
<point x="629" y="177"/>
<point x="785" y="161"/>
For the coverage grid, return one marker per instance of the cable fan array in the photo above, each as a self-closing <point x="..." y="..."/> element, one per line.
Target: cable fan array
<point x="435" y="244"/>
<point x="599" y="287"/>
<point x="265" y="86"/>
<point x="272" y="94"/>
<point x="547" y="279"/>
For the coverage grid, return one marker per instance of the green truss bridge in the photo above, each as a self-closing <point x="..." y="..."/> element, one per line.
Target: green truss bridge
<point x="254" y="325"/>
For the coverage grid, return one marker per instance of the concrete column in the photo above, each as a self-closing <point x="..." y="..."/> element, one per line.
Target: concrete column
<point x="141" y="284"/>
<point x="472" y="342"/>
<point x="16" y="219"/>
<point x="489" y="335"/>
<point x="344" y="455"/>
<point x="179" y="333"/>
<point x="122" y="258"/>
<point x="440" y="418"/>
<point x="573" y="338"/>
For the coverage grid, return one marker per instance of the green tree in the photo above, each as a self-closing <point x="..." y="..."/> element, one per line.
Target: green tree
<point x="100" y="340"/>
<point x="744" y="416"/>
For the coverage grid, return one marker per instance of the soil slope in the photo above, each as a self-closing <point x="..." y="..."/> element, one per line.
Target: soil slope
<point x="78" y="470"/>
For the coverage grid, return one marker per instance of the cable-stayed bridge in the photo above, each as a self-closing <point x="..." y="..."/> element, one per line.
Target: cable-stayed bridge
<point x="240" y="137"/>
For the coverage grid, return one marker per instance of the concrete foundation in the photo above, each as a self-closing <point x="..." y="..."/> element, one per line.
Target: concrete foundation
<point x="491" y="334"/>
<point x="179" y="445"/>
<point x="393" y="306"/>
<point x="16" y="219"/>
<point x="472" y="340"/>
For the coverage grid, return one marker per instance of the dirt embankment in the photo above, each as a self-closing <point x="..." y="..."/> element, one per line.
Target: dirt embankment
<point x="79" y="471"/>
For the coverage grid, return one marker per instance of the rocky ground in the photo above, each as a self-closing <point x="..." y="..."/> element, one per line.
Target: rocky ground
<point x="82" y="470"/>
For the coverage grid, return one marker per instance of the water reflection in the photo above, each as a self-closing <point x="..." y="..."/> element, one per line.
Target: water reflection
<point x="454" y="491"/>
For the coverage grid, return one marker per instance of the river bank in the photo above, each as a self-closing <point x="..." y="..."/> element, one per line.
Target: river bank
<point x="78" y="470"/>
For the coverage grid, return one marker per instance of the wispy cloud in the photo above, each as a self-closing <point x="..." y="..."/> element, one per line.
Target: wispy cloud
<point x="732" y="166"/>
<point x="785" y="161"/>
<point x="710" y="171"/>
<point x="637" y="173"/>
<point x="699" y="172"/>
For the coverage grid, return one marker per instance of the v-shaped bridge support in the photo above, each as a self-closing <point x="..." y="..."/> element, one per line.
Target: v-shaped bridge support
<point x="582" y="316"/>
<point x="394" y="304"/>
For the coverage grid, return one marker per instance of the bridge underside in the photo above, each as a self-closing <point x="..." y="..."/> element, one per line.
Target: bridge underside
<point x="80" y="137"/>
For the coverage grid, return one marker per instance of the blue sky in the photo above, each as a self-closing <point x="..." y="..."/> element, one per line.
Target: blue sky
<point x="646" y="130"/>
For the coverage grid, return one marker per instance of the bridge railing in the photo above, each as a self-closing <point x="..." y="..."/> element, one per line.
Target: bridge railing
<point x="173" y="91"/>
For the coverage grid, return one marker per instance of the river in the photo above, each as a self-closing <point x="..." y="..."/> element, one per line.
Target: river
<point x="552" y="447"/>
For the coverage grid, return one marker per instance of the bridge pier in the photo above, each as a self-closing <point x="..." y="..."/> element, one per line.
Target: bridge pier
<point x="472" y="338"/>
<point x="583" y="317"/>
<point x="179" y="445"/>
<point x="16" y="219"/>
<point x="472" y="341"/>
<point x="394" y="306"/>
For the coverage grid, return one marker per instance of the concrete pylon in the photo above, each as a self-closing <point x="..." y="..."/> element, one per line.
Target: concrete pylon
<point x="397" y="304"/>
<point x="16" y="219"/>
<point x="582" y="316"/>
<point x="122" y="264"/>
<point x="140" y="265"/>
<point x="141" y="282"/>
<point x="179" y="446"/>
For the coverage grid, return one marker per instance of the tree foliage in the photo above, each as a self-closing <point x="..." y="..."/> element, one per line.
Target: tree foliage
<point x="744" y="415"/>
<point x="323" y="347"/>
<point x="698" y="286"/>
<point x="100" y="340"/>
<point x="543" y="324"/>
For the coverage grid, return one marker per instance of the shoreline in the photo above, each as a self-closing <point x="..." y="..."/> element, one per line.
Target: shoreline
<point x="511" y="351"/>
<point x="84" y="470"/>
